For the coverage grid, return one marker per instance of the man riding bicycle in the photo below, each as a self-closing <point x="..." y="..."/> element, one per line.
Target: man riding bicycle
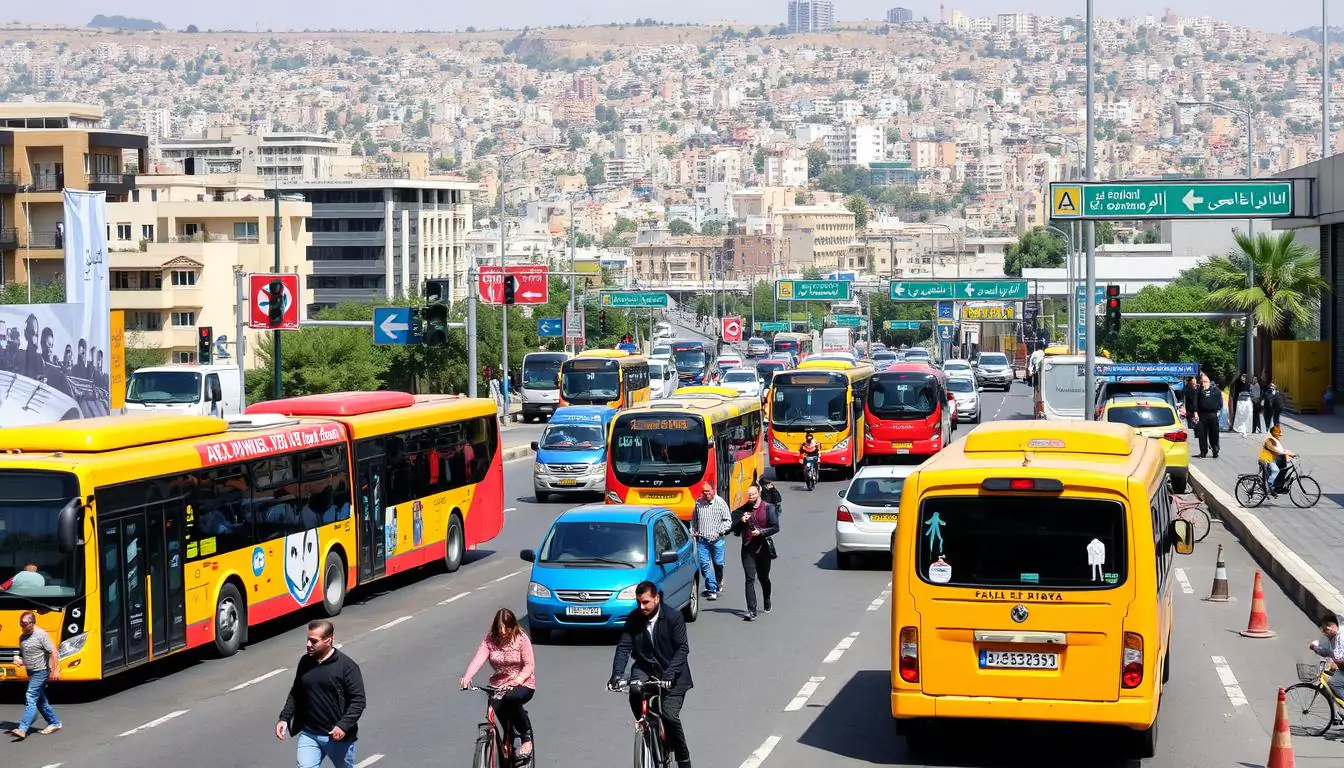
<point x="656" y="640"/>
<point x="1273" y="460"/>
<point x="1335" y="652"/>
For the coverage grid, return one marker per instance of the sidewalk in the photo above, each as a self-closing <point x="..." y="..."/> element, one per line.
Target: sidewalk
<point x="1301" y="549"/>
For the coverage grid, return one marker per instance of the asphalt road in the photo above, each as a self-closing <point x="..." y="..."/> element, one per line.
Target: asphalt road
<point x="805" y="686"/>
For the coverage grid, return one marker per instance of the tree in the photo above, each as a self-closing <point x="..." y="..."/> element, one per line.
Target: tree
<point x="43" y="293"/>
<point x="192" y="29"/>
<point x="817" y="160"/>
<point x="320" y="360"/>
<point x="1036" y="248"/>
<point x="1286" y="291"/>
<point x="758" y="160"/>
<point x="711" y="228"/>
<point x="584" y="240"/>
<point x="529" y="92"/>
<point x="859" y="207"/>
<point x="596" y="172"/>
<point x="1212" y="345"/>
<point x="1105" y="233"/>
<point x="680" y="227"/>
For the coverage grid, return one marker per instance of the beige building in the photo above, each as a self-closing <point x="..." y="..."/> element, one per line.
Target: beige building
<point x="816" y="236"/>
<point x="687" y="260"/>
<point x="175" y="247"/>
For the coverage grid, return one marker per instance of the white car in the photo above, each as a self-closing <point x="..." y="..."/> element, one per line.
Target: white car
<point x="660" y="352"/>
<point x="866" y="517"/>
<point x="746" y="381"/>
<point x="663" y="378"/>
<point x="728" y="361"/>
<point x="958" y="367"/>
<point x="966" y="395"/>
<point x="917" y="355"/>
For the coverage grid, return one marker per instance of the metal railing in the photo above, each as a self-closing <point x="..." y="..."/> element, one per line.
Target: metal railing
<point x="9" y="178"/>
<point x="48" y="182"/>
<point x="9" y="236"/>
<point x="46" y="240"/>
<point x="110" y="178"/>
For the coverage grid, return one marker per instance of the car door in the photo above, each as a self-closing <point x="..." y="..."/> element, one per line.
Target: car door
<point x="686" y="555"/>
<point x="665" y="573"/>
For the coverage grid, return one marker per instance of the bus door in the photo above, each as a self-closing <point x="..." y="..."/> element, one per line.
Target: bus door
<point x="167" y="588"/>
<point x="372" y="498"/>
<point x="122" y="552"/>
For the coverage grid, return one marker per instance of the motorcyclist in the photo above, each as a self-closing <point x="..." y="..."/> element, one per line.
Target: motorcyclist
<point x="810" y="450"/>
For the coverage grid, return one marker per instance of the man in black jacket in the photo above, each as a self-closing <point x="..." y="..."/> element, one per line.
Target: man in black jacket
<point x="656" y="640"/>
<point x="324" y="703"/>
<point x="1208" y="404"/>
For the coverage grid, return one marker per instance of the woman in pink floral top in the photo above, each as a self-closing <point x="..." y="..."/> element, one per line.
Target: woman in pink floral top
<point x="509" y="652"/>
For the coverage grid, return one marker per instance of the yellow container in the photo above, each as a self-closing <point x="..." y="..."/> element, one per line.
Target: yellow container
<point x="1302" y="370"/>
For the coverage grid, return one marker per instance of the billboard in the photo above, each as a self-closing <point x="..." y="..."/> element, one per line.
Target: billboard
<point x="86" y="279"/>
<point x="49" y="369"/>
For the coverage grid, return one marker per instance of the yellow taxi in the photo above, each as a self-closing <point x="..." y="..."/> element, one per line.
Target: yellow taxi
<point x="1153" y="417"/>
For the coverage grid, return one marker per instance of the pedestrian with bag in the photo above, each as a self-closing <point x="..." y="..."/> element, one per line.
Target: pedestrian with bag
<point x="710" y="522"/>
<point x="757" y="523"/>
<point x="325" y="702"/>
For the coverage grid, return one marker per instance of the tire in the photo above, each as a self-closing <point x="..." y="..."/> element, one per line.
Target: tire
<point x="230" y="621"/>
<point x="1166" y="666"/>
<point x="1202" y="523"/>
<point x="484" y="756"/>
<point x="643" y="755"/>
<point x="1250" y="491"/>
<point x="539" y="635"/>
<point x="454" y="545"/>
<point x="692" y="610"/>
<point x="844" y="560"/>
<point x="1304" y="492"/>
<point x="542" y="498"/>
<point x="1303" y="698"/>
<point x="1179" y="483"/>
<point x="333" y="584"/>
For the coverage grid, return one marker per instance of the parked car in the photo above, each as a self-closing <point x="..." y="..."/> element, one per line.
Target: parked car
<point x="591" y="559"/>
<point x="757" y="347"/>
<point x="958" y="367"/>
<point x="993" y="370"/>
<point x="746" y="381"/>
<point x="868" y="510"/>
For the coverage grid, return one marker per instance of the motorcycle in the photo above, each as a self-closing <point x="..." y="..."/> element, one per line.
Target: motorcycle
<point x="810" y="471"/>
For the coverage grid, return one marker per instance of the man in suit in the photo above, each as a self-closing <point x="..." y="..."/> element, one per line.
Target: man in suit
<point x="1208" y="404"/>
<point x="655" y="639"/>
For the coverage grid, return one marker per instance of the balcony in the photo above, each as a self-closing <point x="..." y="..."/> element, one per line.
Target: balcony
<point x="116" y="183"/>
<point x="9" y="238"/>
<point x="149" y="298"/>
<point x="48" y="182"/>
<point x="46" y="239"/>
<point x="9" y="182"/>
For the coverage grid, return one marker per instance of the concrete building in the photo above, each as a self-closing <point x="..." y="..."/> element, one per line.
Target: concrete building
<point x="815" y="236"/>
<point x="687" y="261"/>
<point x="283" y="157"/>
<point x="900" y="16"/>
<point x="810" y="16"/>
<point x="176" y="245"/>
<point x="851" y="144"/>
<point x="44" y="150"/>
<point x="785" y="166"/>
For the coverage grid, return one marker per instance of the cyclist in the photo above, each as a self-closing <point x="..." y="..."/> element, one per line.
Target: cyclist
<point x="1329" y="625"/>
<point x="1274" y="459"/>
<point x="656" y="641"/>
<point x="509" y="650"/>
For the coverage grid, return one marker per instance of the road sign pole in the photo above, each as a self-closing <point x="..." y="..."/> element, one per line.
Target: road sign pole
<point x="277" y="384"/>
<point x="242" y="302"/>
<point x="472" y="298"/>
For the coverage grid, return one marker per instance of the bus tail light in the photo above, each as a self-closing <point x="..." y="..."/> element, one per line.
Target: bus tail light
<point x="909" y="661"/>
<point x="1175" y="437"/>
<point x="1131" y="672"/>
<point x="842" y="514"/>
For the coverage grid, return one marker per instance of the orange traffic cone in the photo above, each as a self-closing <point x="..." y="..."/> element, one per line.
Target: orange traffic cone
<point x="1219" y="592"/>
<point x="1258" y="625"/>
<point x="1281" y="743"/>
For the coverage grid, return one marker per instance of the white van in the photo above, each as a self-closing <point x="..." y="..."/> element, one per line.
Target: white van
<point x="207" y="390"/>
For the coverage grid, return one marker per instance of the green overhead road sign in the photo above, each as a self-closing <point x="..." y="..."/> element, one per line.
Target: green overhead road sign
<point x="633" y="300"/>
<point x="958" y="290"/>
<point x="1182" y="199"/>
<point x="902" y="325"/>
<point x="812" y="290"/>
<point x="772" y="327"/>
<point x="847" y="321"/>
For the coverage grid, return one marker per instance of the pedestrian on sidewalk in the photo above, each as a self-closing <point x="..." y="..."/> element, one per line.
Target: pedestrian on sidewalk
<point x="1191" y="403"/>
<point x="38" y="656"/>
<point x="509" y="650"/>
<point x="325" y="702"/>
<point x="710" y="522"/>
<point x="1208" y="404"/>
<point x="1239" y="417"/>
<point x="757" y="522"/>
<point x="1257" y="404"/>
<point x="1274" y="402"/>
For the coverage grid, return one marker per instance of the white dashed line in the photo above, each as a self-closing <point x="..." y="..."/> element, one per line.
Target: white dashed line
<point x="53" y="765"/>
<point x="458" y="596"/>
<point x="804" y="693"/>
<point x="506" y="576"/>
<point x="255" y="680"/>
<point x="506" y="509"/>
<point x="155" y="723"/>
<point x="392" y="623"/>
<point x="873" y="606"/>
<point x="1184" y="582"/>
<point x="839" y="650"/>
<point x="762" y="752"/>
<point x="370" y="760"/>
<point x="1230" y="684"/>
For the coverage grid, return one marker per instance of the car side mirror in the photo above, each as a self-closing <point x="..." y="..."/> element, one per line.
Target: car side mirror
<point x="535" y="445"/>
<point x="841" y="493"/>
<point x="1183" y="536"/>
<point x="667" y="557"/>
<point x="528" y="555"/>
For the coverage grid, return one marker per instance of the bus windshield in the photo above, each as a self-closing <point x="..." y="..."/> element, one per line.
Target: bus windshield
<point x="690" y="360"/>
<point x="649" y="449"/>
<point x="591" y="384"/>
<point x="34" y="572"/>
<point x="541" y="373"/>
<point x="903" y="396"/>
<point x="572" y="437"/>
<point x="164" y="387"/>
<point x="798" y="408"/>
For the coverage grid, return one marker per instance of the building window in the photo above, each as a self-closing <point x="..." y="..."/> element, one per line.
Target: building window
<point x="124" y="231"/>
<point x="147" y="232"/>
<point x="184" y="277"/>
<point x="153" y="195"/>
<point x="245" y="230"/>
<point x="184" y="358"/>
<point x="184" y="319"/>
<point x="122" y="280"/>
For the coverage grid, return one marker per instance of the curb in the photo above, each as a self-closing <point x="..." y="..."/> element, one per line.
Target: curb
<point x="517" y="452"/>
<point x="1307" y="588"/>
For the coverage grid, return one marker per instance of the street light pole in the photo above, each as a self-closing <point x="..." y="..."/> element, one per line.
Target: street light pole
<point x="1325" y="79"/>
<point x="503" y="269"/>
<point x="1090" y="228"/>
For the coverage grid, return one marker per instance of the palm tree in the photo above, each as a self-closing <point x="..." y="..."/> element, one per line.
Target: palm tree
<point x="1288" y="286"/>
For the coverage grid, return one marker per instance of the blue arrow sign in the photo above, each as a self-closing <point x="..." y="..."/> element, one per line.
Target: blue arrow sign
<point x="392" y="325"/>
<point x="550" y="326"/>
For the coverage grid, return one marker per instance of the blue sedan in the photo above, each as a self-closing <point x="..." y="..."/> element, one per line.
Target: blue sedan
<point x="592" y="558"/>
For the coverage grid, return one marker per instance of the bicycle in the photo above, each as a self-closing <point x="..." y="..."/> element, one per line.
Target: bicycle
<point x="1311" y="694"/>
<point x="810" y="471"/>
<point x="491" y="743"/>
<point x="1196" y="513"/>
<point x="650" y="738"/>
<point x="1252" y="489"/>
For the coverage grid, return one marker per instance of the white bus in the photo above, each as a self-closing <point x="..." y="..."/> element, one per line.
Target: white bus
<point x="1059" y="390"/>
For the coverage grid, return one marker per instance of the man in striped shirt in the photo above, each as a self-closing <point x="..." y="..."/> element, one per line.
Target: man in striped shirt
<point x="709" y="523"/>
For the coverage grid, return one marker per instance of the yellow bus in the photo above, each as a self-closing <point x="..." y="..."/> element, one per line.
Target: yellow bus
<point x="609" y="377"/>
<point x="156" y="534"/>
<point x="825" y="397"/>
<point x="660" y="452"/>
<point x="1032" y="581"/>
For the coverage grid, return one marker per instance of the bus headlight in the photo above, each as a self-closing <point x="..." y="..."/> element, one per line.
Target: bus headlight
<point x="71" y="646"/>
<point x="778" y="446"/>
<point x="613" y="497"/>
<point x="843" y="445"/>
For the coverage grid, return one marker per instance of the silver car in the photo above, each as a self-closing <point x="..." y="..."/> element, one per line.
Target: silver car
<point x="866" y="517"/>
<point x="993" y="370"/>
<point x="967" y="397"/>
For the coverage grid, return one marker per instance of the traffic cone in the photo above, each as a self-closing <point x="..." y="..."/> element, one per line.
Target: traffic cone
<point x="1258" y="624"/>
<point x="1281" y="743"/>
<point x="1219" y="592"/>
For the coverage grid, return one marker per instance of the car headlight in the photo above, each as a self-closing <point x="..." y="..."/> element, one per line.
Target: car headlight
<point x="628" y="593"/>
<point x="71" y="646"/>
<point x="539" y="468"/>
<point x="537" y="590"/>
<point x="598" y="469"/>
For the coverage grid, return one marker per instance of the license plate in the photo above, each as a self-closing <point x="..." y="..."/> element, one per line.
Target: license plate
<point x="567" y="482"/>
<point x="882" y="518"/>
<point x="906" y="446"/>
<point x="660" y="496"/>
<point x="583" y="610"/>
<point x="1018" y="660"/>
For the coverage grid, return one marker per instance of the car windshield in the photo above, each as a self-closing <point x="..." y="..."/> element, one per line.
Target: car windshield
<point x="1140" y="416"/>
<point x="954" y="365"/>
<point x="1022" y="542"/>
<point x="883" y="355"/>
<point x="690" y="360"/>
<point x="661" y="351"/>
<point x="655" y="450"/>
<point x="34" y="572"/>
<point x="595" y="544"/>
<point x="739" y="375"/>
<point x="993" y="358"/>
<point x="164" y="387"/>
<point x="876" y="491"/>
<point x="903" y="395"/>
<point x="914" y="354"/>
<point x="799" y="407"/>
<point x="572" y="437"/>
<point x="590" y="382"/>
<point x="960" y="385"/>
<point x="756" y="342"/>
<point x="541" y="374"/>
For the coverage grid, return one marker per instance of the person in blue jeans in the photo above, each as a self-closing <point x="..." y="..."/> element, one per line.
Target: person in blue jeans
<point x="38" y="655"/>
<point x="709" y="524"/>
<point x="324" y="702"/>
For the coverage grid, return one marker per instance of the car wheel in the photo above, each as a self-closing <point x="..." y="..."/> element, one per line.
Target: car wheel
<point x="844" y="560"/>
<point x="542" y="497"/>
<point x="692" y="610"/>
<point x="1178" y="483"/>
<point x="539" y="635"/>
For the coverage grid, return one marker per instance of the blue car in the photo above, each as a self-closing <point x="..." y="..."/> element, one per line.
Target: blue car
<point x="592" y="558"/>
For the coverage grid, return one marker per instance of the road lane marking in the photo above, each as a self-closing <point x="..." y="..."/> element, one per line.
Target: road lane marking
<point x="506" y="576"/>
<point x="507" y="509"/>
<point x="155" y="723"/>
<point x="255" y="680"/>
<point x="458" y="596"/>
<point x="370" y="760"/>
<point x="762" y="752"/>
<point x="1184" y="581"/>
<point x="1230" y="684"/>
<point x="873" y="606"/>
<point x="839" y="649"/>
<point x="53" y="765"/>
<point x="392" y="623"/>
<point x="804" y="693"/>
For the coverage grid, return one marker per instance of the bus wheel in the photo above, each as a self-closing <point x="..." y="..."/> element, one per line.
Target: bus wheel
<point x="230" y="621"/>
<point x="453" y="545"/>
<point x="333" y="584"/>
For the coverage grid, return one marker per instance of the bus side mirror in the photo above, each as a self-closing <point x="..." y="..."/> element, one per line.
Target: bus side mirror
<point x="68" y="522"/>
<point x="1183" y="536"/>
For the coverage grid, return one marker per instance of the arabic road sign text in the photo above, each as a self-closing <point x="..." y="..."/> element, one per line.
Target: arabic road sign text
<point x="989" y="311"/>
<point x="958" y="290"/>
<point x="633" y="299"/>
<point x="574" y="330"/>
<point x="772" y="327"/>
<point x="901" y="325"/>
<point x="533" y="284"/>
<point x="1181" y="199"/>
<point x="847" y="321"/>
<point x="812" y="290"/>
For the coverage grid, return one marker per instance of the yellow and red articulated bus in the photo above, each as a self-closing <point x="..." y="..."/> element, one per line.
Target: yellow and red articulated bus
<point x="149" y="535"/>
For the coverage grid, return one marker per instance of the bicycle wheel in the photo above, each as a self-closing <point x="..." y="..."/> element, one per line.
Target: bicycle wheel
<point x="486" y="755"/>
<point x="1250" y="491"/>
<point x="1311" y="710"/>
<point x="1199" y="520"/>
<point x="1304" y="492"/>
<point x="643" y="752"/>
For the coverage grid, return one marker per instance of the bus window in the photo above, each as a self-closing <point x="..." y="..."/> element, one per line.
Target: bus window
<point x="799" y="408"/>
<point x="666" y="456"/>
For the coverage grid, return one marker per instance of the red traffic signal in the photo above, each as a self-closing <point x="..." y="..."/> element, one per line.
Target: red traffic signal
<point x="1113" y="292"/>
<point x="1113" y="304"/>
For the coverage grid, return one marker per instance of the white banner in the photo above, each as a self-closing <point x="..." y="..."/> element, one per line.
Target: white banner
<point x="48" y="370"/>
<point x="86" y="278"/>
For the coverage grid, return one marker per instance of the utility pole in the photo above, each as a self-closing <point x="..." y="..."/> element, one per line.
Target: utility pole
<point x="240" y="311"/>
<point x="277" y="386"/>
<point x="472" y="299"/>
<point x="1090" y="227"/>
<point x="573" y="244"/>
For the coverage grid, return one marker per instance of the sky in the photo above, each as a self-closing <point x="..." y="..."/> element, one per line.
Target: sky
<point x="459" y="14"/>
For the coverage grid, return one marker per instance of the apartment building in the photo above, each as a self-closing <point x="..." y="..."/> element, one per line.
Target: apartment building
<point x="44" y="150"/>
<point x="854" y="144"/>
<point x="900" y="16"/>
<point x="785" y="166"/>
<point x="815" y="236"/>
<point x="810" y="16"/>
<point x="689" y="260"/>
<point x="283" y="157"/>
<point x="176" y="244"/>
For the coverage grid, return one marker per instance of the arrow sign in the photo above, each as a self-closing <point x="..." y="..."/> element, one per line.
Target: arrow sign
<point x="1191" y="200"/>
<point x="392" y="325"/>
<point x="532" y="287"/>
<point x="550" y="326"/>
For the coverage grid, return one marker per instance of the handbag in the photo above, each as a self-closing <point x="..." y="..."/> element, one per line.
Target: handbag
<point x="770" y="547"/>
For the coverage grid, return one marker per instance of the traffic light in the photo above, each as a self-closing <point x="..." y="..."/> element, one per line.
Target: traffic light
<point x="436" y="291"/>
<point x="601" y="322"/>
<point x="434" y="325"/>
<point x="510" y="285"/>
<point x="275" y="306"/>
<point x="1113" y="308"/>
<point x="205" y="344"/>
